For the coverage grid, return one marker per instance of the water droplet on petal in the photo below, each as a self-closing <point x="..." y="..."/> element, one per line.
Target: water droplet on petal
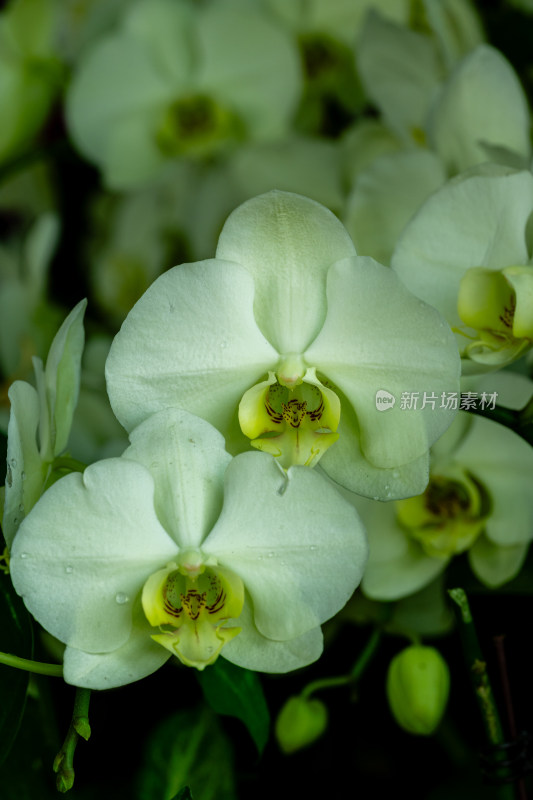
<point x="270" y="555"/>
<point x="313" y="547"/>
<point x="13" y="462"/>
<point x="9" y="477"/>
<point x="223" y="345"/>
<point x="23" y="475"/>
<point x="24" y="555"/>
<point x="396" y="473"/>
<point x="121" y="598"/>
<point x="69" y="569"/>
<point x="259" y="558"/>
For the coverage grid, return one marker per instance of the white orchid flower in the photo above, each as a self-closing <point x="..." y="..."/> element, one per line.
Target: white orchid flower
<point x="293" y="333"/>
<point x="467" y="253"/>
<point x="176" y="549"/>
<point x="478" y="501"/>
<point x="170" y="84"/>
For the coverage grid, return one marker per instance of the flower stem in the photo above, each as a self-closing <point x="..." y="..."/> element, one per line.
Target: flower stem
<point x="479" y="677"/>
<point x="38" y="667"/>
<point x="79" y="726"/>
<point x="355" y="673"/>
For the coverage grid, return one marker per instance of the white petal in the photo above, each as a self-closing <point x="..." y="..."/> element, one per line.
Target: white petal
<point x="476" y="221"/>
<point x="385" y="197"/>
<point x="345" y="464"/>
<point x="83" y="554"/>
<point x="482" y="101"/>
<point x="266" y="92"/>
<point x="190" y="342"/>
<point x="297" y="545"/>
<point x="503" y="462"/>
<point x="378" y="336"/>
<point x="116" y="79"/>
<point x="287" y="242"/>
<point x="397" y="566"/>
<point x="187" y="460"/>
<point x="251" y="650"/>
<point x="131" y="155"/>
<point x="495" y="565"/>
<point x="138" y="657"/>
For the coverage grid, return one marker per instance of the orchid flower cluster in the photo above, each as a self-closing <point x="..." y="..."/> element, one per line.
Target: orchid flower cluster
<point x="317" y="422"/>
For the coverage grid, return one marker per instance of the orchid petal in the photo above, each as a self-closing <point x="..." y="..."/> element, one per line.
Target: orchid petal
<point x="495" y="565"/>
<point x="297" y="545"/>
<point x="138" y="657"/>
<point x="251" y="650"/>
<point x="473" y="221"/>
<point x="84" y="554"/>
<point x="167" y="354"/>
<point x="363" y="350"/>
<point x="187" y="460"/>
<point x="482" y="101"/>
<point x="287" y="242"/>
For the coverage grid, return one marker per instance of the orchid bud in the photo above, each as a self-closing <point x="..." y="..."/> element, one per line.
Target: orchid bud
<point x="300" y="722"/>
<point x="418" y="683"/>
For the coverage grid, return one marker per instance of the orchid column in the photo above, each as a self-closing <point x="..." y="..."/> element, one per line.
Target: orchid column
<point x="287" y="337"/>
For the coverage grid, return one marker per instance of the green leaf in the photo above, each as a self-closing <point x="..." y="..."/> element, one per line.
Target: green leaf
<point x="237" y="692"/>
<point x="185" y="794"/>
<point x="187" y="756"/>
<point x="15" y="638"/>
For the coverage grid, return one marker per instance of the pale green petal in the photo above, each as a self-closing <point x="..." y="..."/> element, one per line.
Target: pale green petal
<point x="187" y="460"/>
<point x="338" y="18"/>
<point x="83" y="554"/>
<point x="131" y="156"/>
<point x="165" y="28"/>
<point x="297" y="545"/>
<point x="190" y="342"/>
<point x="503" y="462"/>
<point x="386" y="195"/>
<point x="482" y="101"/>
<point x="62" y="380"/>
<point x="476" y="221"/>
<point x="251" y="650"/>
<point x="138" y="657"/>
<point x="345" y="464"/>
<point x="378" y="336"/>
<point x="39" y="246"/>
<point x="400" y="71"/>
<point x="495" y="565"/>
<point x="265" y="93"/>
<point x="397" y="566"/>
<point x="287" y="242"/>
<point x="25" y="472"/>
<point x="457" y="26"/>
<point x="117" y="79"/>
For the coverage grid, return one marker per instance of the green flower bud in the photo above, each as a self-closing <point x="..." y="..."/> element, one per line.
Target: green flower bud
<point x="418" y="683"/>
<point x="300" y="722"/>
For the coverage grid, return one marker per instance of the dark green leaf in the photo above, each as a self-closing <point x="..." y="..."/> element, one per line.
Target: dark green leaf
<point x="15" y="639"/>
<point x="188" y="756"/>
<point x="237" y="692"/>
<point x="185" y="794"/>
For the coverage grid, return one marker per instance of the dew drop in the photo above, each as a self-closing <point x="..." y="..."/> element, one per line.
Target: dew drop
<point x="24" y="555"/>
<point x="121" y="598"/>
<point x="69" y="569"/>
<point x="223" y="345"/>
<point x="270" y="555"/>
<point x="23" y="475"/>
<point x="259" y="558"/>
<point x="396" y="473"/>
<point x="313" y="547"/>
<point x="13" y="462"/>
<point x="9" y="477"/>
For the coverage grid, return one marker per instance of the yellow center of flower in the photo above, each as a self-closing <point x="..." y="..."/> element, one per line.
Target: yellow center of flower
<point x="448" y="517"/>
<point x="291" y="415"/>
<point x="197" y="125"/>
<point x="498" y="305"/>
<point x="191" y="603"/>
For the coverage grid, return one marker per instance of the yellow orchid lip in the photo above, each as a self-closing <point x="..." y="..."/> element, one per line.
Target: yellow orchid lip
<point x="195" y="601"/>
<point x="498" y="306"/>
<point x="294" y="423"/>
<point x="448" y="517"/>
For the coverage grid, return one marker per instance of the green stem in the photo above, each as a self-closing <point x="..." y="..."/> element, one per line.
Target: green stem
<point x="38" y="667"/>
<point x="521" y="422"/>
<point x="355" y="673"/>
<point x="79" y="726"/>
<point x="66" y="462"/>
<point x="479" y="677"/>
